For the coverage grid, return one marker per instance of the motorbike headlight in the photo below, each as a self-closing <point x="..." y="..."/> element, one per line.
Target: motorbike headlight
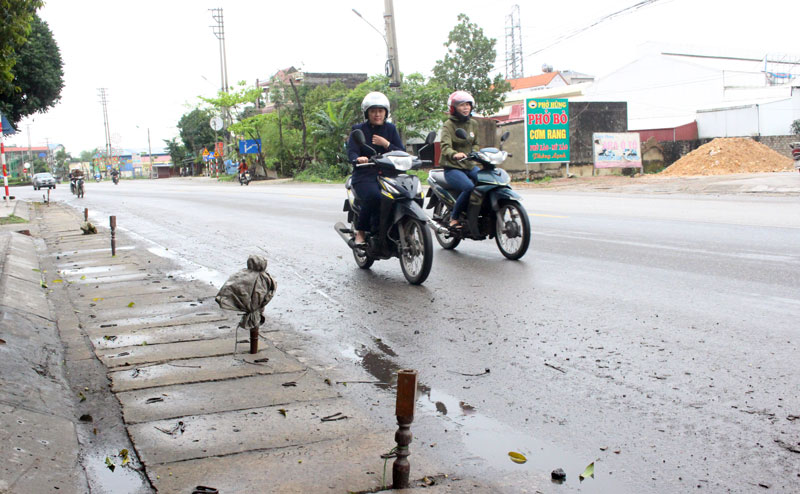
<point x="497" y="158"/>
<point x="402" y="163"/>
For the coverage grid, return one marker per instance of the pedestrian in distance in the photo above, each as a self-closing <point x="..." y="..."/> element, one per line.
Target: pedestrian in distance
<point x="460" y="174"/>
<point x="383" y="137"/>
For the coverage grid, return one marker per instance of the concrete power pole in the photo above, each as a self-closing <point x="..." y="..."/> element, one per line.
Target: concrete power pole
<point x="219" y="32"/>
<point x="104" y="101"/>
<point x="393" y="62"/>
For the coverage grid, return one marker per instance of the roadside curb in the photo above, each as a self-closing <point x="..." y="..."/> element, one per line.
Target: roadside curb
<point x="40" y="449"/>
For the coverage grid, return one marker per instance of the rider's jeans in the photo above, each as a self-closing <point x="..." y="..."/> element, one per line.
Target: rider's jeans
<point x="463" y="181"/>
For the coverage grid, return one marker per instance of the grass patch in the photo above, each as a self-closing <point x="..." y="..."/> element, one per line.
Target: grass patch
<point x="227" y="178"/>
<point x="10" y="220"/>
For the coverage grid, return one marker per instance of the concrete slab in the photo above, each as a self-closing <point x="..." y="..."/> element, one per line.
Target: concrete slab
<point x="113" y="309"/>
<point x="151" y="353"/>
<point x="220" y="434"/>
<point x="155" y="321"/>
<point x="23" y="269"/>
<point x="222" y="396"/>
<point x="164" y="334"/>
<point x="39" y="452"/>
<point x="124" y="288"/>
<point x="25" y="296"/>
<point x="351" y="464"/>
<point x="203" y="369"/>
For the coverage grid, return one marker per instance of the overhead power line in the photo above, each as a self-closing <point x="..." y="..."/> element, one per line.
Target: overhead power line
<point x="626" y="10"/>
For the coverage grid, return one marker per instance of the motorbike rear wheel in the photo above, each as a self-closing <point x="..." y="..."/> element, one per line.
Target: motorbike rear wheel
<point x="363" y="260"/>
<point x="442" y="213"/>
<point x="513" y="233"/>
<point x="416" y="257"/>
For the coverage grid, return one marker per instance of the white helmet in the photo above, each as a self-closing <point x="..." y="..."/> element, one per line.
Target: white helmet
<point x="375" y="99"/>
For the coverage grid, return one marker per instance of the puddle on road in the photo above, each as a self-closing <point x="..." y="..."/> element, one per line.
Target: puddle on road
<point x="485" y="439"/>
<point x="91" y="270"/>
<point x="67" y="253"/>
<point x="123" y="480"/>
<point x="193" y="271"/>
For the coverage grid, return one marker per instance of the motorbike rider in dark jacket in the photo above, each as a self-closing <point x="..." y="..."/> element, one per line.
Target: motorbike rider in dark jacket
<point x="383" y="137"/>
<point x="461" y="175"/>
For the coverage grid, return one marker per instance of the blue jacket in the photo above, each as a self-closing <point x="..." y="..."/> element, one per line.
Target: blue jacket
<point x="388" y="131"/>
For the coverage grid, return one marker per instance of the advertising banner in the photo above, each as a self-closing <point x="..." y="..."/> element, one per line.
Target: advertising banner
<point x="546" y="131"/>
<point x="615" y="150"/>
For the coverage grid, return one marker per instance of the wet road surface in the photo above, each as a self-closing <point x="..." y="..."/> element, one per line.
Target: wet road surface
<point x="654" y="335"/>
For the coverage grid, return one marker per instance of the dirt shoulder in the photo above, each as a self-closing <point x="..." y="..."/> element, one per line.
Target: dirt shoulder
<point x="771" y="184"/>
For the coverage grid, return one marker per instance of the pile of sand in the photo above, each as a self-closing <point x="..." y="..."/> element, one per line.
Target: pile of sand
<point x="724" y="156"/>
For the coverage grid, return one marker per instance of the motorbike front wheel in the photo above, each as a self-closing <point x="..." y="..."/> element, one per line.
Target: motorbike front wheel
<point x="80" y="191"/>
<point x="416" y="251"/>
<point x="441" y="212"/>
<point x="512" y="230"/>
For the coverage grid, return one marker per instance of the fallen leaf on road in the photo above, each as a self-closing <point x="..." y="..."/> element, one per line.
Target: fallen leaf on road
<point x="131" y="304"/>
<point x="589" y="472"/>
<point x="58" y="280"/>
<point x="110" y="464"/>
<point x="83" y="277"/>
<point x="282" y="411"/>
<point x="82" y="397"/>
<point x="125" y="457"/>
<point x="97" y="299"/>
<point x="517" y="457"/>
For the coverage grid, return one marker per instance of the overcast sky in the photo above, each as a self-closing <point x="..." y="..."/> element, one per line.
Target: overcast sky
<point x="156" y="57"/>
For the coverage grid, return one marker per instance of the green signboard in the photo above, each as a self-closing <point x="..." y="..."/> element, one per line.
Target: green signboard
<point x="546" y="131"/>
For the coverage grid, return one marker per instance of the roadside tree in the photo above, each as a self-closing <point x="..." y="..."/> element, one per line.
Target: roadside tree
<point x="467" y="65"/>
<point x="795" y="128"/>
<point x="38" y="75"/>
<point x="17" y="16"/>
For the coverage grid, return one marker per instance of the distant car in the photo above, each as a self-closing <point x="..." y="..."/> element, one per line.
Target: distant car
<point x="43" y="180"/>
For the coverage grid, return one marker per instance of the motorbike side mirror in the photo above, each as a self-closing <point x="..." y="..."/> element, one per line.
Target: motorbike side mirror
<point x="461" y="134"/>
<point x="358" y="136"/>
<point x="429" y="139"/>
<point x="503" y="139"/>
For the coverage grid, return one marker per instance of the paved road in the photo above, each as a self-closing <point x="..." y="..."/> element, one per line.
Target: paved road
<point x="655" y="334"/>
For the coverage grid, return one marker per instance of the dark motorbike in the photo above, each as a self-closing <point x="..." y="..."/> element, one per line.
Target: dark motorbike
<point x="494" y="209"/>
<point x="115" y="178"/>
<point x="401" y="230"/>
<point x="244" y="178"/>
<point x="796" y="154"/>
<point x="76" y="186"/>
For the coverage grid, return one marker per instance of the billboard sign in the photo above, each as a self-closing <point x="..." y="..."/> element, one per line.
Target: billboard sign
<point x="546" y="130"/>
<point x="616" y="150"/>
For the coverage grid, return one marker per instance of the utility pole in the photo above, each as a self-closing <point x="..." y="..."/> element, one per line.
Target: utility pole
<point x="393" y="62"/>
<point x="219" y="32"/>
<point x="150" y="152"/>
<point x="104" y="101"/>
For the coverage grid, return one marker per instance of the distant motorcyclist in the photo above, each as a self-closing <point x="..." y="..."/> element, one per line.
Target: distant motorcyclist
<point x="461" y="175"/>
<point x="74" y="175"/>
<point x="381" y="136"/>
